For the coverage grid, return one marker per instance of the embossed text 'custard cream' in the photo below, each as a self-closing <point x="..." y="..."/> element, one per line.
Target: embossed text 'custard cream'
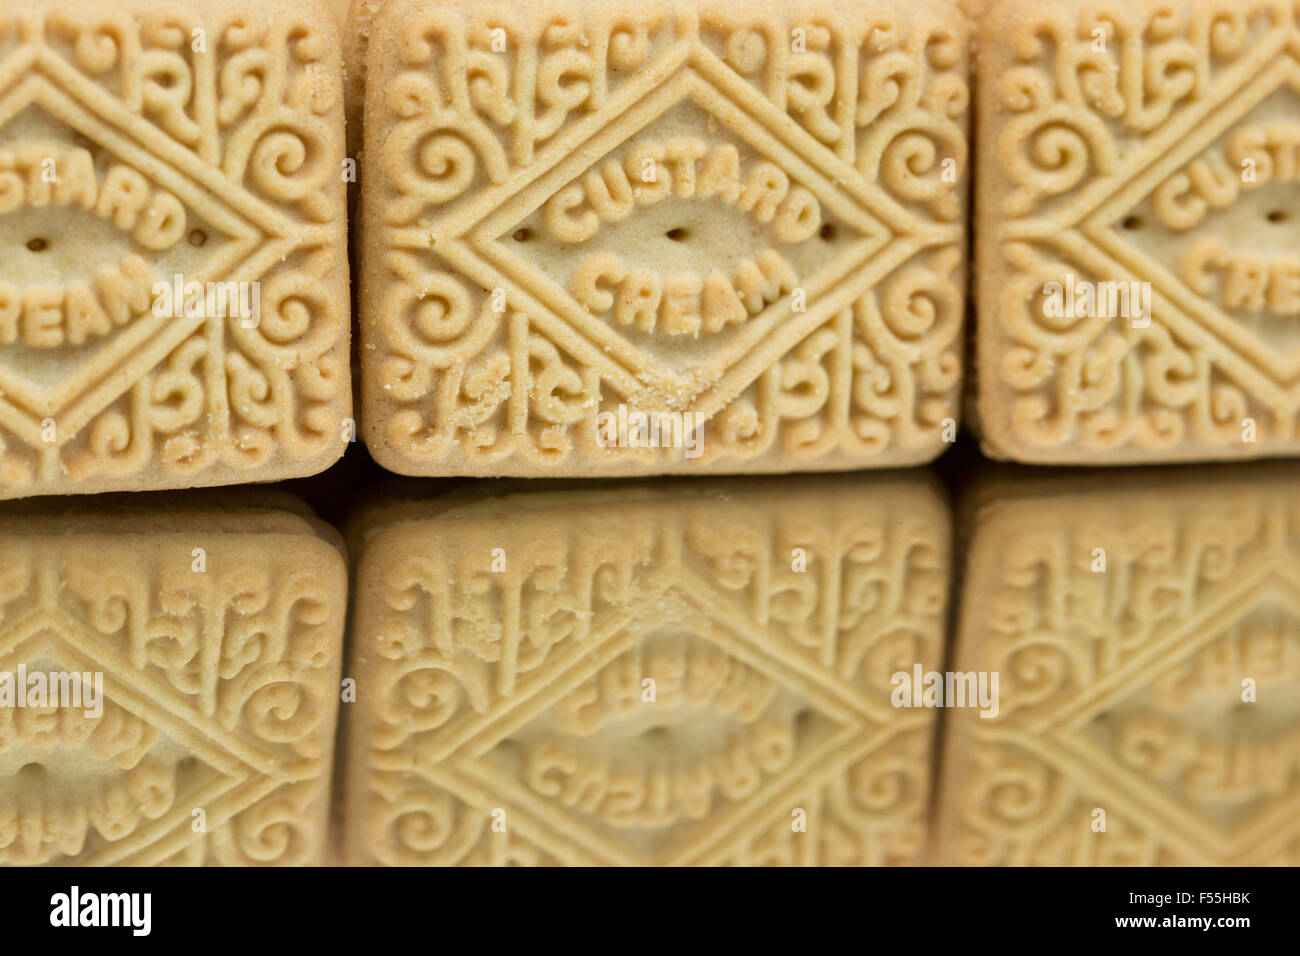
<point x="1154" y="146"/>
<point x="213" y="634"/>
<point x="137" y="145"/>
<point x="750" y="216"/>
<point x="646" y="674"/>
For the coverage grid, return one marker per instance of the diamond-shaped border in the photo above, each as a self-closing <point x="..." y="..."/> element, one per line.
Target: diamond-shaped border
<point x="260" y="234"/>
<point x="685" y="71"/>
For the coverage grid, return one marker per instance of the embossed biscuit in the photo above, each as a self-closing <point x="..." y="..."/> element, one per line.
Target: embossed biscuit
<point x="173" y="279"/>
<point x="685" y="675"/>
<point x="210" y="639"/>
<point x="662" y="237"/>
<point x="1137" y="231"/>
<point x="1147" y="636"/>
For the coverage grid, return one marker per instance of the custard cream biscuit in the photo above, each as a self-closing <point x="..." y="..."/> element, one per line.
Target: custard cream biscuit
<point x="1145" y="639"/>
<point x="1138" y="241"/>
<point x="169" y="688"/>
<point x="662" y="237"/>
<point x="685" y="675"/>
<point x="173" y="278"/>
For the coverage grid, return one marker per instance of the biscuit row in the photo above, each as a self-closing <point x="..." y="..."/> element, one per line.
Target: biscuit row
<point x="718" y="672"/>
<point x="634" y="238"/>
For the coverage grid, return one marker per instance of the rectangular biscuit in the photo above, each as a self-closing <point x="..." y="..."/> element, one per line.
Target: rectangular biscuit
<point x="174" y="307"/>
<point x="661" y="237"/>
<point x="679" y="675"/>
<point x="1138" y="239"/>
<point x="1146" y="635"/>
<point x="210" y="639"/>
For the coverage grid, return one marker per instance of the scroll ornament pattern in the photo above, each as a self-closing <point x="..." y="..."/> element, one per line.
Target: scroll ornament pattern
<point x="1019" y="811"/>
<point x="246" y="103"/>
<point x="285" y="829"/>
<point x="457" y="644"/>
<point x="1078" y="653"/>
<point x="1109" y="384"/>
<point x="459" y="377"/>
<point x="871" y="815"/>
<point x="1056" y="627"/>
<point x="1092" y="96"/>
<point x="245" y="661"/>
<point x="866" y="817"/>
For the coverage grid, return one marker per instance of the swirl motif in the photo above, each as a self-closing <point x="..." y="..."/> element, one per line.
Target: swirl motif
<point x="425" y="827"/>
<point x="252" y="97"/>
<point x="1087" y="95"/>
<point x="455" y="387"/>
<point x="273" y="832"/>
<point x="284" y="711"/>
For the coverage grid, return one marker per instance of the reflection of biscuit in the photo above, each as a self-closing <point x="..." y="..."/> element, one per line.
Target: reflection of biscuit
<point x="689" y="675"/>
<point x="1137" y="233"/>
<point x="1123" y="620"/>
<point x="748" y="217"/>
<point x="173" y="284"/>
<point x="217" y="634"/>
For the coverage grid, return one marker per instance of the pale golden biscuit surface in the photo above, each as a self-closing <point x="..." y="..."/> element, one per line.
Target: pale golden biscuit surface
<point x="1137" y="231"/>
<point x="150" y="147"/>
<point x="1147" y="637"/>
<point x="340" y="11"/>
<point x="217" y="640"/>
<point x="751" y="215"/>
<point x="688" y="675"/>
